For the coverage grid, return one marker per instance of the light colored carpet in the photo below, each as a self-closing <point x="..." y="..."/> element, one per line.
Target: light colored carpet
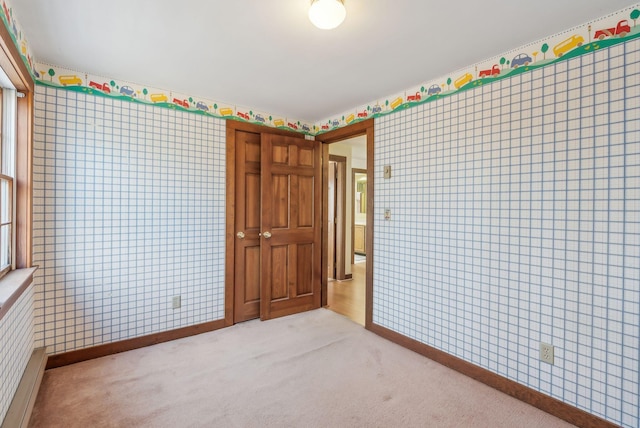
<point x="315" y="369"/>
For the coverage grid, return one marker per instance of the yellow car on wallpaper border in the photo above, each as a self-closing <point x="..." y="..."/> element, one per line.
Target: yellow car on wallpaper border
<point x="159" y="98"/>
<point x="226" y="111"/>
<point x="396" y="103"/>
<point x="70" y="79"/>
<point x="463" y="80"/>
<point x="566" y="45"/>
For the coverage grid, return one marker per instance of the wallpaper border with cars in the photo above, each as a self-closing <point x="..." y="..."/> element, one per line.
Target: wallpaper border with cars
<point x="599" y="33"/>
<point x="17" y="35"/>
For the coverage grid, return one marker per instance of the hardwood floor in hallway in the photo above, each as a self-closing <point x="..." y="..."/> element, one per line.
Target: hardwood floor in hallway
<point x="348" y="297"/>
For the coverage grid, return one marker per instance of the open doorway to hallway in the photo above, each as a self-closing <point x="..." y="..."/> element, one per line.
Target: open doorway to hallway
<point x="347" y="218"/>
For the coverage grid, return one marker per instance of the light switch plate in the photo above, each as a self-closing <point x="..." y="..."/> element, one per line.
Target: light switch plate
<point x="387" y="171"/>
<point x="176" y="302"/>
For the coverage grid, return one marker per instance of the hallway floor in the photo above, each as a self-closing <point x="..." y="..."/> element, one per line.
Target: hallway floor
<point x="348" y="297"/>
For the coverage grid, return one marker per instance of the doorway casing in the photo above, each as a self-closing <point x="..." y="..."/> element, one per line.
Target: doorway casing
<point x="358" y="129"/>
<point x="362" y="128"/>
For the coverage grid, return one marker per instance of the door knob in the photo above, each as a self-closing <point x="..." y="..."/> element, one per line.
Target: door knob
<point x="240" y="235"/>
<point x="266" y="235"/>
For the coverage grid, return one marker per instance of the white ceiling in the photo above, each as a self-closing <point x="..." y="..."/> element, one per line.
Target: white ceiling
<point x="267" y="55"/>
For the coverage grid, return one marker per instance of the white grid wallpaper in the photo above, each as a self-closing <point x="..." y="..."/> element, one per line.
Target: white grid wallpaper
<point x="16" y="347"/>
<point x="128" y="212"/>
<point x="515" y="220"/>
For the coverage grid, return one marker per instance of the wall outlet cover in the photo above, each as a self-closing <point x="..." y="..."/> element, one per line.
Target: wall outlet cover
<point x="546" y="353"/>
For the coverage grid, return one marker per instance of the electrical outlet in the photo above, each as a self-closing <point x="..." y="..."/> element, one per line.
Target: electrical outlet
<point x="546" y="352"/>
<point x="176" y="302"/>
<point x="387" y="214"/>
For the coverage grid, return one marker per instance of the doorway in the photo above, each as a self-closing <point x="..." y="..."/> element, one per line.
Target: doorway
<point x="231" y="238"/>
<point x="273" y="224"/>
<point x="352" y="297"/>
<point x="336" y="216"/>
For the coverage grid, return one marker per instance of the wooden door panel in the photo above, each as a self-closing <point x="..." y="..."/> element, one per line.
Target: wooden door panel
<point x="305" y="157"/>
<point x="252" y="150"/>
<point x="279" y="278"/>
<point x="280" y="202"/>
<point x="291" y="212"/>
<point x="293" y="203"/>
<point x="247" y="255"/>
<point x="304" y="274"/>
<point x="280" y="154"/>
<point x="252" y="203"/>
<point x="305" y="201"/>
<point x="251" y="274"/>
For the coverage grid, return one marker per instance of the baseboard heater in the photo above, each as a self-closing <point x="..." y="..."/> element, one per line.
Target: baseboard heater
<point x="21" y="406"/>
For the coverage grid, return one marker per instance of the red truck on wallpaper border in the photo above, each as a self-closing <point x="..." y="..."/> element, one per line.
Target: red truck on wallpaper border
<point x="621" y="30"/>
<point x="103" y="87"/>
<point x="182" y="103"/>
<point x="415" y="97"/>
<point x="493" y="71"/>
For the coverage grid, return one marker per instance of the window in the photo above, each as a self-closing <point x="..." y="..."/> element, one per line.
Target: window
<point x="6" y="223"/>
<point x="7" y="173"/>
<point x="16" y="172"/>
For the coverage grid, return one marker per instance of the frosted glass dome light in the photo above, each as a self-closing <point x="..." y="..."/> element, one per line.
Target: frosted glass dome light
<point x="327" y="14"/>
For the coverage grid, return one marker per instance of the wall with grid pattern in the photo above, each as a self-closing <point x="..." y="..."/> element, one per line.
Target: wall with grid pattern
<point x="129" y="204"/>
<point x="16" y="347"/>
<point x="515" y="220"/>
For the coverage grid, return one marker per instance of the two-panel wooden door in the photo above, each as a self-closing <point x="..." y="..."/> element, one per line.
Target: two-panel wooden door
<point x="278" y="222"/>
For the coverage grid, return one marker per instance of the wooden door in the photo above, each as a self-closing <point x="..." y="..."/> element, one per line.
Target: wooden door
<point x="331" y="226"/>
<point x="248" y="214"/>
<point x="291" y="241"/>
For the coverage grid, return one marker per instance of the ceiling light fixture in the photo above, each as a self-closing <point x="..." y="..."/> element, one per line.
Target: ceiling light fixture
<point x="327" y="14"/>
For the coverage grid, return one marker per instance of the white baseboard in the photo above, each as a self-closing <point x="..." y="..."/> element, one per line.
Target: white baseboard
<point x="21" y="406"/>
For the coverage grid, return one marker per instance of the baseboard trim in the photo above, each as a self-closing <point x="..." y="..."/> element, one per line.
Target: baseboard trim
<point x="523" y="393"/>
<point x="72" y="357"/>
<point x="21" y="406"/>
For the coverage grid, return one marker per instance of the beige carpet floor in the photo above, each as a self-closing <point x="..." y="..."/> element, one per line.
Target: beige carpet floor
<point x="316" y="369"/>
